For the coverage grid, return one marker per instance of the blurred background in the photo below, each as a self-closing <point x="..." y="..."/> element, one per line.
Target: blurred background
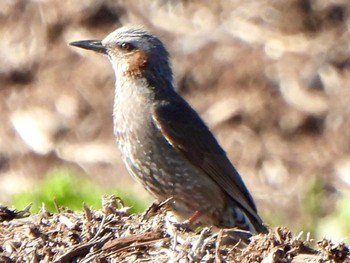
<point x="271" y="78"/>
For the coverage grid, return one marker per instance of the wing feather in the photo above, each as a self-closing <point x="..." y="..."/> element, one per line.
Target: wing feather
<point x="187" y="133"/>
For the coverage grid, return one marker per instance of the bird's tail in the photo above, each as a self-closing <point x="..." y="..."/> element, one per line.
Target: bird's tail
<point x="236" y="216"/>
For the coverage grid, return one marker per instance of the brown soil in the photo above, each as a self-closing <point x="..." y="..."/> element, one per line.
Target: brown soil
<point x="113" y="235"/>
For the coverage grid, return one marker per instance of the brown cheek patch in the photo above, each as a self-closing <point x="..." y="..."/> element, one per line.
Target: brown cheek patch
<point x="136" y="62"/>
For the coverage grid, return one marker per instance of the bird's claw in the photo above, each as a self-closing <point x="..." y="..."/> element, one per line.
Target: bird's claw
<point x="183" y="226"/>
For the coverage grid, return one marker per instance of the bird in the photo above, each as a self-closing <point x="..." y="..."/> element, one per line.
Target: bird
<point x="164" y="143"/>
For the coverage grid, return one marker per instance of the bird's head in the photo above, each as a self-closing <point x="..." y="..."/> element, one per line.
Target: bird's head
<point x="133" y="52"/>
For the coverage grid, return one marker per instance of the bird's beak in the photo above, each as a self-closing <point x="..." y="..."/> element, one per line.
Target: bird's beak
<point x="95" y="45"/>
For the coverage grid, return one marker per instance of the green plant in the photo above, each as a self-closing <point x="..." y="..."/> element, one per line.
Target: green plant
<point x="336" y="225"/>
<point x="71" y="191"/>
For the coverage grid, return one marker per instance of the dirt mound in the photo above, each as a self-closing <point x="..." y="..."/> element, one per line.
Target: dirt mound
<point x="114" y="235"/>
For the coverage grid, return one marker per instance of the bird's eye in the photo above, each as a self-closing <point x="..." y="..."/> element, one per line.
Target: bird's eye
<point x="126" y="46"/>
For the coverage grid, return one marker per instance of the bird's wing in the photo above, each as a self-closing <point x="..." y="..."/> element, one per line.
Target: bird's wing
<point x="187" y="133"/>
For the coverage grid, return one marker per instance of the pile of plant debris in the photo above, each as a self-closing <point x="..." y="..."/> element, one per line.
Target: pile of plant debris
<point x="112" y="234"/>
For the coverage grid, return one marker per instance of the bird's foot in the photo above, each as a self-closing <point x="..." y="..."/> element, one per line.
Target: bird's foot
<point x="183" y="226"/>
<point x="189" y="223"/>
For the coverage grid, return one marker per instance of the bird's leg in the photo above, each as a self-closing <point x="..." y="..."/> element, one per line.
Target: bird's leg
<point x="194" y="217"/>
<point x="188" y="223"/>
